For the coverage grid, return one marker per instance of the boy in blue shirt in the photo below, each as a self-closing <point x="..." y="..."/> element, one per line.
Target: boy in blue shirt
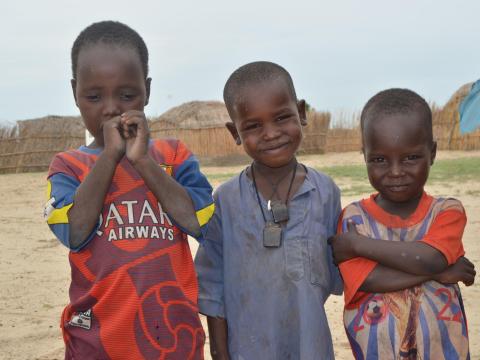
<point x="265" y="269"/>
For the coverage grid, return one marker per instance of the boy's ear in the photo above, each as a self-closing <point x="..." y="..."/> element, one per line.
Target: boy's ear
<point x="73" y="83"/>
<point x="302" y="112"/>
<point x="433" y="153"/>
<point x="148" y="81"/>
<point x="233" y="131"/>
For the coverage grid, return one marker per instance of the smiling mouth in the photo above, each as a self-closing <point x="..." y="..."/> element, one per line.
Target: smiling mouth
<point x="397" y="188"/>
<point x="275" y="147"/>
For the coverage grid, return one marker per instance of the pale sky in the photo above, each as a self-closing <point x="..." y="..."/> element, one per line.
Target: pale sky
<point x="339" y="53"/>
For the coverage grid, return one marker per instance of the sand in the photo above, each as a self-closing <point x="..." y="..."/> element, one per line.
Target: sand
<point x="34" y="270"/>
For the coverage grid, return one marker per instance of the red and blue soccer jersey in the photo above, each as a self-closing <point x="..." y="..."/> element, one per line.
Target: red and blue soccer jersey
<point x="423" y="322"/>
<point x="133" y="293"/>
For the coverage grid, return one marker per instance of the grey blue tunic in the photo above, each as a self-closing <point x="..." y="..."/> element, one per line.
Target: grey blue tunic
<point x="272" y="298"/>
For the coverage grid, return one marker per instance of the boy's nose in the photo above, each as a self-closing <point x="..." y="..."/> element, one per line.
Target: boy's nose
<point x="270" y="131"/>
<point x="396" y="169"/>
<point x="111" y="108"/>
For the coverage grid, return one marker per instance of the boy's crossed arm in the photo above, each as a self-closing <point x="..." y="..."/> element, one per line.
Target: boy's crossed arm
<point x="415" y="257"/>
<point x="400" y="265"/>
<point x="383" y="279"/>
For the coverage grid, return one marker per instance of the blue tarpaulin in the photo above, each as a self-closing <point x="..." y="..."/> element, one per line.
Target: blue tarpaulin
<point x="470" y="110"/>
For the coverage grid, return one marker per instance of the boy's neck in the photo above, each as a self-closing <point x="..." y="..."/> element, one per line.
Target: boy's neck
<point x="279" y="183"/>
<point x="274" y="174"/>
<point x="401" y="209"/>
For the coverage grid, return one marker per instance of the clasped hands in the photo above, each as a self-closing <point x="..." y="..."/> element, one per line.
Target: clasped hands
<point x="128" y="135"/>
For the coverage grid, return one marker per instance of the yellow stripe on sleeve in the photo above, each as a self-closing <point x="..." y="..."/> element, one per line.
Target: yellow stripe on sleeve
<point x="59" y="216"/>
<point x="203" y="215"/>
<point x="49" y="190"/>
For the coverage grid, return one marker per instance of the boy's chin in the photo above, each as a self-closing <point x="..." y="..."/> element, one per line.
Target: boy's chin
<point x="275" y="163"/>
<point x="275" y="160"/>
<point x="400" y="197"/>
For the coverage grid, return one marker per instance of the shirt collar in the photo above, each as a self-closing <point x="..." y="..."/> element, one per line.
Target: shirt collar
<point x="306" y="187"/>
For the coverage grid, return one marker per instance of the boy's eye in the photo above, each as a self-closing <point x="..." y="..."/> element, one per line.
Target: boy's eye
<point x="251" y="126"/>
<point x="127" y="96"/>
<point x="92" y="98"/>
<point x="377" y="159"/>
<point x="412" y="157"/>
<point x="283" y="117"/>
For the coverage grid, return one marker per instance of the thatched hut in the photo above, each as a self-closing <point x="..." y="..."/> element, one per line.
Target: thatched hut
<point x="31" y="144"/>
<point x="201" y="125"/>
<point x="446" y="124"/>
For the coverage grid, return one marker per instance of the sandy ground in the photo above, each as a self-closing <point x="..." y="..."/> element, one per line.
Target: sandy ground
<point x="34" y="271"/>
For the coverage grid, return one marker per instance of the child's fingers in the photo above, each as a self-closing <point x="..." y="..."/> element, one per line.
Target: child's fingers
<point x="133" y="117"/>
<point x="469" y="280"/>
<point x="468" y="262"/>
<point x="136" y="118"/>
<point x="132" y="130"/>
<point x="124" y="130"/>
<point x="472" y="271"/>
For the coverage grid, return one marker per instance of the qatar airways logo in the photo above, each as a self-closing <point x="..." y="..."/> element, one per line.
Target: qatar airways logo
<point x="130" y="225"/>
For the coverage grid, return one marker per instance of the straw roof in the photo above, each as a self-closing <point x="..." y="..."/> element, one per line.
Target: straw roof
<point x="52" y="125"/>
<point x="459" y="95"/>
<point x="193" y="115"/>
<point x="446" y="121"/>
<point x="449" y="113"/>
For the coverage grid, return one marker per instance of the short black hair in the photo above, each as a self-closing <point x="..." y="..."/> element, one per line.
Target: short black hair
<point x="111" y="33"/>
<point x="254" y="73"/>
<point x="397" y="101"/>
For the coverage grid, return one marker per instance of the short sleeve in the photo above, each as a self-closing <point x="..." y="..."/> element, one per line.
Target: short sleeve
<point x="356" y="270"/>
<point x="188" y="174"/>
<point x="61" y="188"/>
<point x="209" y="267"/>
<point x="446" y="231"/>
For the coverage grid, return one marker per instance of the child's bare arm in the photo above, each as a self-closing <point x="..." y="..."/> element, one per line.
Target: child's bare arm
<point x="218" y="335"/>
<point x="383" y="279"/>
<point x="90" y="195"/>
<point x="410" y="257"/>
<point x="172" y="196"/>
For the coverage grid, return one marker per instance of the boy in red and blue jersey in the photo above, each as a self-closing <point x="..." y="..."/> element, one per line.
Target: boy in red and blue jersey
<point x="124" y="206"/>
<point x="400" y="251"/>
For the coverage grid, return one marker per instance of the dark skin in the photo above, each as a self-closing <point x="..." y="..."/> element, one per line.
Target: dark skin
<point x="386" y="279"/>
<point x="111" y="91"/>
<point x="268" y="122"/>
<point x="398" y="153"/>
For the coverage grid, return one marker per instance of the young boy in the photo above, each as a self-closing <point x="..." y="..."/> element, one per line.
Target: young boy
<point x="123" y="206"/>
<point x="401" y="296"/>
<point x="265" y="269"/>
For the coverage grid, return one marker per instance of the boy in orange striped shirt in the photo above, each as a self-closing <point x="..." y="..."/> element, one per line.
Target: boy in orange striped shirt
<point x="400" y="251"/>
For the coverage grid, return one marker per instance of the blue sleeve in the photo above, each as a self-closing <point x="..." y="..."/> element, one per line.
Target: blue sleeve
<point x="61" y="189"/>
<point x="335" y="279"/>
<point x="209" y="267"/>
<point x="189" y="176"/>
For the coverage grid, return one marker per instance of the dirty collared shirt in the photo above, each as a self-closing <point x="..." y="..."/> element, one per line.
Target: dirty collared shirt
<point x="272" y="298"/>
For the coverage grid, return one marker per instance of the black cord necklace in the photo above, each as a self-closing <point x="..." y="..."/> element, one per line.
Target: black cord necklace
<point x="272" y="232"/>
